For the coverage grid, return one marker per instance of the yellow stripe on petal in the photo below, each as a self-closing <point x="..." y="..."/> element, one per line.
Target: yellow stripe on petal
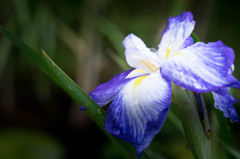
<point x="138" y="70"/>
<point x="138" y="81"/>
<point x="150" y="65"/>
<point x="176" y="54"/>
<point x="167" y="52"/>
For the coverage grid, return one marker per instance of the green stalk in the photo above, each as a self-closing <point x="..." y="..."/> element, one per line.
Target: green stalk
<point x="196" y="127"/>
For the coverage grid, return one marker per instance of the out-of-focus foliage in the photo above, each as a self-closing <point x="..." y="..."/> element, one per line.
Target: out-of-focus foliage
<point x="25" y="144"/>
<point x="84" y="38"/>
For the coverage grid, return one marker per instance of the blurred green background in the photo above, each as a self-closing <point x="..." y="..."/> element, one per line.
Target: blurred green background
<point x="84" y="37"/>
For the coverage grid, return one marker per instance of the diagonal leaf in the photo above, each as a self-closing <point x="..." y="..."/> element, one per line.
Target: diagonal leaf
<point x="96" y="112"/>
<point x="48" y="66"/>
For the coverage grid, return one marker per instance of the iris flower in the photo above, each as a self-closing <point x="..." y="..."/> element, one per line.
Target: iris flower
<point x="140" y="98"/>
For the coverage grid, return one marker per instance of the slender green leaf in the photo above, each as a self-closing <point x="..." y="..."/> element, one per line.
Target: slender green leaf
<point x="97" y="113"/>
<point x="175" y="120"/>
<point x="196" y="129"/>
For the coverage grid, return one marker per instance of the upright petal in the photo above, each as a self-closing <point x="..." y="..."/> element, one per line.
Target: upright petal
<point x="138" y="55"/>
<point x="177" y="34"/>
<point x="132" y="41"/>
<point x="224" y="102"/>
<point x="200" y="67"/>
<point x="139" y="110"/>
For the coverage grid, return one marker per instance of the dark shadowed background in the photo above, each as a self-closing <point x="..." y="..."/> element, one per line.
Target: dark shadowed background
<point x="84" y="37"/>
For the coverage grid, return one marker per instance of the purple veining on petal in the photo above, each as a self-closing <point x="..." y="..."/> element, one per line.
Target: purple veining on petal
<point x="176" y="34"/>
<point x="234" y="82"/>
<point x="182" y="18"/>
<point x="138" y="117"/>
<point x="140" y="102"/>
<point x="187" y="42"/>
<point x="200" y="67"/>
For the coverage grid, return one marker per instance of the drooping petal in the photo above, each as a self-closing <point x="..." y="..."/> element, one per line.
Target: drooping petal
<point x="139" y="110"/>
<point x="235" y="83"/>
<point x="200" y="67"/>
<point x="224" y="102"/>
<point x="138" y="55"/>
<point x="176" y="34"/>
<point x="105" y="92"/>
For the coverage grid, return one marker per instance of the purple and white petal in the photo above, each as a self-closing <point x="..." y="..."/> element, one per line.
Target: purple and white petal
<point x="132" y="41"/>
<point x="200" y="67"/>
<point x="235" y="83"/>
<point x="136" y="73"/>
<point x="176" y="34"/>
<point x="139" y="110"/>
<point x="138" y="55"/>
<point x="188" y="42"/>
<point x="224" y="102"/>
<point x="105" y="92"/>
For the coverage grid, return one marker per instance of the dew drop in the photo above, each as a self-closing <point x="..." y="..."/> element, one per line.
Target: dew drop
<point x="153" y="50"/>
<point x="59" y="74"/>
<point x="99" y="112"/>
<point x="53" y="65"/>
<point x="70" y="88"/>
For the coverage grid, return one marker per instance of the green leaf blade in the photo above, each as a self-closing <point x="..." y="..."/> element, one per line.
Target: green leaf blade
<point x="96" y="112"/>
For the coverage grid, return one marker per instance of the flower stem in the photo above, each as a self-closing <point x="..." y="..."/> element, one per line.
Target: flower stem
<point x="195" y="121"/>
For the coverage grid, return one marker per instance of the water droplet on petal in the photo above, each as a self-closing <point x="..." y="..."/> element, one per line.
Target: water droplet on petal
<point x="99" y="112"/>
<point x="153" y="50"/>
